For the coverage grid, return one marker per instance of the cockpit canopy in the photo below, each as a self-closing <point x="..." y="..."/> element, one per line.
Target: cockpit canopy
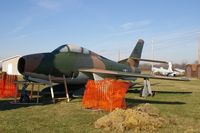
<point x="71" y="48"/>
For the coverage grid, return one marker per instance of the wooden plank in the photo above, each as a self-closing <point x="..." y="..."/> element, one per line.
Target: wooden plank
<point x="23" y="82"/>
<point x="66" y="89"/>
<point x="51" y="88"/>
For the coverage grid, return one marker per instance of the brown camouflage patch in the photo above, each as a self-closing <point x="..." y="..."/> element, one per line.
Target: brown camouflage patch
<point x="97" y="63"/>
<point x="131" y="62"/>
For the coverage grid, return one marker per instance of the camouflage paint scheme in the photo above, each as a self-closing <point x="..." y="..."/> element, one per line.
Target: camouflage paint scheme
<point x="78" y="65"/>
<point x="68" y="59"/>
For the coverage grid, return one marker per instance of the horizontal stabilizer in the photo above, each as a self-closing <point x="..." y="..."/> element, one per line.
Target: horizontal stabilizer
<point x="124" y="61"/>
<point x="139" y="59"/>
<point x="149" y="60"/>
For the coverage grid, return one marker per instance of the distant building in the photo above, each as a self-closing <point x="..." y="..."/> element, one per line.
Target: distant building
<point x="193" y="70"/>
<point x="198" y="71"/>
<point x="0" y="66"/>
<point x="9" y="65"/>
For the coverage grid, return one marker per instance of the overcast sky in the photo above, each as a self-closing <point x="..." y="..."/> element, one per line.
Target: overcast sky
<point x="107" y="27"/>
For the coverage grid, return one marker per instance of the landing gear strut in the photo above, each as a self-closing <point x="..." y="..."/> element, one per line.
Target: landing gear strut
<point x="146" y="90"/>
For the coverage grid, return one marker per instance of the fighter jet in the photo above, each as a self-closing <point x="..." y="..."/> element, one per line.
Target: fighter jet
<point x="78" y="64"/>
<point x="168" y="72"/>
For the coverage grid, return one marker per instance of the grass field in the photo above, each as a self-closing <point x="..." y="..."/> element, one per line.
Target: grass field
<point x="179" y="102"/>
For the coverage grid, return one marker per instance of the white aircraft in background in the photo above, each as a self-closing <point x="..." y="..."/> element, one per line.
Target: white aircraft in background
<point x="168" y="72"/>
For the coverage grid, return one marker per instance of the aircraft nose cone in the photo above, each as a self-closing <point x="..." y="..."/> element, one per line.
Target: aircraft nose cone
<point x="29" y="63"/>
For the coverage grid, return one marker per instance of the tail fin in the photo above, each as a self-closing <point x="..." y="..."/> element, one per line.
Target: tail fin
<point x="136" y="53"/>
<point x="170" y="67"/>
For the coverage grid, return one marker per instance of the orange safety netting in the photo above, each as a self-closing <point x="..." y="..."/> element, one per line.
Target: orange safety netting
<point x="7" y="86"/>
<point x="105" y="94"/>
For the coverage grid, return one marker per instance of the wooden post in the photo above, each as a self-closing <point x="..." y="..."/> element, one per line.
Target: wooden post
<point x="31" y="94"/>
<point x="16" y="92"/>
<point x="66" y="89"/>
<point x="38" y="93"/>
<point x="51" y="88"/>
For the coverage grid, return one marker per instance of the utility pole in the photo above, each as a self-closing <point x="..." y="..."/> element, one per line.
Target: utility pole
<point x="199" y="48"/>
<point x="152" y="51"/>
<point x="119" y="55"/>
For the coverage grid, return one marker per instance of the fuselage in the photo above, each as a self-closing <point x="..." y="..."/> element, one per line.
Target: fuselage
<point x="67" y="60"/>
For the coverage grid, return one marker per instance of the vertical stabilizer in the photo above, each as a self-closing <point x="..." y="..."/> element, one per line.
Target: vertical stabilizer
<point x="137" y="51"/>
<point x="136" y="54"/>
<point x="170" y="67"/>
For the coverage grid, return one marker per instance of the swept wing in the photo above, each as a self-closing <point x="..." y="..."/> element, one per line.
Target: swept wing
<point x="121" y="75"/>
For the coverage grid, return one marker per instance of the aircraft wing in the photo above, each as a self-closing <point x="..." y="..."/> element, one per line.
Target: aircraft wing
<point x="118" y="74"/>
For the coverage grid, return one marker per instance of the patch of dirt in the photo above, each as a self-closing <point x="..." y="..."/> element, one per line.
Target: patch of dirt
<point x="141" y="118"/>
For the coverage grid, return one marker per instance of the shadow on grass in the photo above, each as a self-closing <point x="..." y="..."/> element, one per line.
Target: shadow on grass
<point x="135" y="102"/>
<point x="7" y="105"/>
<point x="44" y="98"/>
<point x="163" y="92"/>
<point x="10" y="104"/>
<point x="142" y="86"/>
<point x="173" y="92"/>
